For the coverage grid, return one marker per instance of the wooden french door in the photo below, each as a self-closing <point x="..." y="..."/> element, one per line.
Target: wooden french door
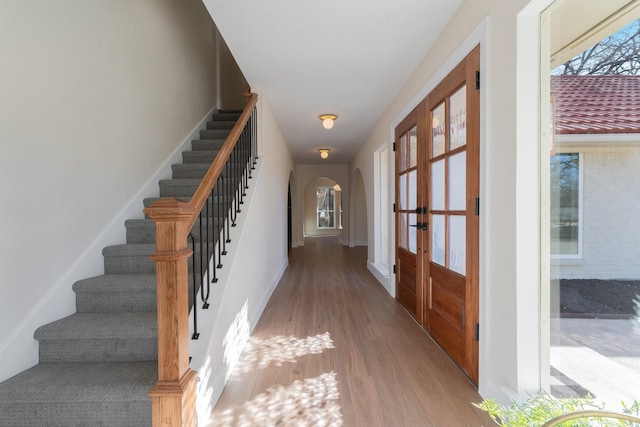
<point x="444" y="249"/>
<point x="408" y="198"/>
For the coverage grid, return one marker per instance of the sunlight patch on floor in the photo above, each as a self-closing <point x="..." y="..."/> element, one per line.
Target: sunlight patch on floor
<point x="260" y="353"/>
<point x="308" y="402"/>
<point x="236" y="338"/>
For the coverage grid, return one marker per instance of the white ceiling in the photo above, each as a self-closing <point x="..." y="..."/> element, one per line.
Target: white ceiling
<point x="346" y="57"/>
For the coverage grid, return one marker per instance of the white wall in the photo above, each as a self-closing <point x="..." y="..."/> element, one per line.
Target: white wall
<point x="95" y="96"/>
<point x="359" y="211"/>
<point x="304" y="175"/>
<point x="256" y="261"/>
<point x="611" y="237"/>
<point x="509" y="236"/>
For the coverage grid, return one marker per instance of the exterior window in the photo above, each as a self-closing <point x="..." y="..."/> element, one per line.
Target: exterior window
<point x="566" y="227"/>
<point x="326" y="207"/>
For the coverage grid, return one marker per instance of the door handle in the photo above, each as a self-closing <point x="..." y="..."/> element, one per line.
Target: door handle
<point x="420" y="226"/>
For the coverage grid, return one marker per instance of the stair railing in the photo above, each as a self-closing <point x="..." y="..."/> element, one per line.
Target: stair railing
<point x="173" y="397"/>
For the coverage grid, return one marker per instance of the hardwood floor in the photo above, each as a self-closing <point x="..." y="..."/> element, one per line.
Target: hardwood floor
<point x="333" y="348"/>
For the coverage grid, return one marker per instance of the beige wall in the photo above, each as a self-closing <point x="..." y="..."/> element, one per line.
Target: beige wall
<point x="232" y="81"/>
<point x="95" y="96"/>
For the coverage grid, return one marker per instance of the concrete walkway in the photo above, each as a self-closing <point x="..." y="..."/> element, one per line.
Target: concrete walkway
<point x="598" y="356"/>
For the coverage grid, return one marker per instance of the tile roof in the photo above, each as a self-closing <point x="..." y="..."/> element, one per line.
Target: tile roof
<point x="596" y="104"/>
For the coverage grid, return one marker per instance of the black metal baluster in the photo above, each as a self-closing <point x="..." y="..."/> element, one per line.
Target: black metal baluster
<point x="234" y="186"/>
<point x="216" y="221"/>
<point x="211" y="253"/>
<point x="245" y="161"/>
<point x="195" y="335"/>
<point x="254" y="135"/>
<point x="248" y="129"/>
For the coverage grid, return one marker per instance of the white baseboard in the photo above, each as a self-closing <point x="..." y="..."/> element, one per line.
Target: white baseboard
<point x="381" y="273"/>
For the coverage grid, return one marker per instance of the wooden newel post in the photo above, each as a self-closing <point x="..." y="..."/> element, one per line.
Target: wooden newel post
<point x="173" y="399"/>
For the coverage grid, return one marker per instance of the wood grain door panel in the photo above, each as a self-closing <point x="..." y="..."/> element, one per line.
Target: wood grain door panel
<point x="453" y="112"/>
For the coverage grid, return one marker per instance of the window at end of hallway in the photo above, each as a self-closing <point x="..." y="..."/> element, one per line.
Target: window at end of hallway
<point x="326" y="201"/>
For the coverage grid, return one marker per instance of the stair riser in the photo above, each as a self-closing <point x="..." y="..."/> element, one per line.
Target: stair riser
<point x="142" y="264"/>
<point x="115" y="302"/>
<point x="177" y="188"/>
<point x="199" y="157"/>
<point x="199" y="170"/>
<point x="147" y="233"/>
<point x="214" y="134"/>
<point x="99" y="350"/>
<point x="221" y="125"/>
<point x="212" y="203"/>
<point x="207" y="145"/>
<point x="128" y="413"/>
<point x="226" y="117"/>
<point x="132" y="264"/>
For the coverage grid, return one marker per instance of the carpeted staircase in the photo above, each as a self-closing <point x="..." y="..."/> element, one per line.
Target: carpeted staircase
<point x="97" y="365"/>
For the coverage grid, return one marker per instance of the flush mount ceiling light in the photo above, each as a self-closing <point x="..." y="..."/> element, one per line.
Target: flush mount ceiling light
<point x="327" y="120"/>
<point x="324" y="152"/>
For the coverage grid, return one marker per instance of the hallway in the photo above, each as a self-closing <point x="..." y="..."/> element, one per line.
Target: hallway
<point x="333" y="348"/>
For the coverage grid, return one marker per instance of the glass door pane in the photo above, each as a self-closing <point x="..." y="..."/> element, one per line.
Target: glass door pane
<point x="438" y="130"/>
<point x="458" y="182"/>
<point x="458" y="118"/>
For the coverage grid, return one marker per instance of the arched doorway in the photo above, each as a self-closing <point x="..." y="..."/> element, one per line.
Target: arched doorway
<point x="322" y="208"/>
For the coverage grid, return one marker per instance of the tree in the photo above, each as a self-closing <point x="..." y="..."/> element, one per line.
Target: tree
<point x="617" y="54"/>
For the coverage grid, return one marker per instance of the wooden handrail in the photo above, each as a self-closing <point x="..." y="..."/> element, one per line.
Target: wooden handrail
<point x="210" y="179"/>
<point x="173" y="398"/>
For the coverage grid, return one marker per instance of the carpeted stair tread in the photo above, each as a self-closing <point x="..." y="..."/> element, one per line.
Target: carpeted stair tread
<point x="99" y="326"/>
<point x="129" y="249"/>
<point x="99" y="337"/>
<point x="79" y="394"/>
<point x="81" y="380"/>
<point x="221" y="124"/>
